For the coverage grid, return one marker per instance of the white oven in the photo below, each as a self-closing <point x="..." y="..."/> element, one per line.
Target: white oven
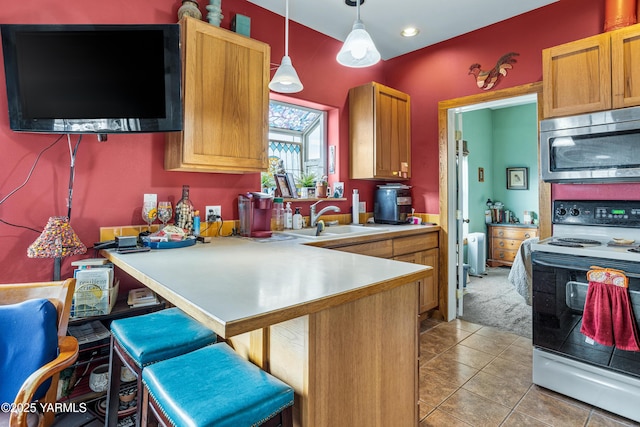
<point x="585" y="234"/>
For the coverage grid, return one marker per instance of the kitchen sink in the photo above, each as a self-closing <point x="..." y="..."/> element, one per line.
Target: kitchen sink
<point x="335" y="231"/>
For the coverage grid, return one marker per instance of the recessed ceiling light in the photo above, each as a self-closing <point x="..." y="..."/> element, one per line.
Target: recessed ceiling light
<point x="410" y="32"/>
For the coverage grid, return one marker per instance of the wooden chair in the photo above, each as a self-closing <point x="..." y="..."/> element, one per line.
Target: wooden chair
<point x="60" y="294"/>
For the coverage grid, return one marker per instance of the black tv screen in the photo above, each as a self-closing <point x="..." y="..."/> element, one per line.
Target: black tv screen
<point x="93" y="78"/>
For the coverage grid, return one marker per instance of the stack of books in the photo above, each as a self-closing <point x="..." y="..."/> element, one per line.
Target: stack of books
<point x="141" y="297"/>
<point x="90" y="334"/>
<point x="96" y="292"/>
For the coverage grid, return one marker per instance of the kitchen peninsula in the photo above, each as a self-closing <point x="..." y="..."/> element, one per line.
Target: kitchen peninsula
<point x="340" y="328"/>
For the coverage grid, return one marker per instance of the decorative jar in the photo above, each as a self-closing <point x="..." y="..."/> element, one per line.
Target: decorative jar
<point x="189" y="8"/>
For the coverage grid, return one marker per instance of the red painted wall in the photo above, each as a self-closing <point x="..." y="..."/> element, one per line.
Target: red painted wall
<point x="440" y="72"/>
<point x="111" y="177"/>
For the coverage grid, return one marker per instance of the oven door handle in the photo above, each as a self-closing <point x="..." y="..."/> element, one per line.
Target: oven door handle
<point x="574" y="267"/>
<point x="557" y="265"/>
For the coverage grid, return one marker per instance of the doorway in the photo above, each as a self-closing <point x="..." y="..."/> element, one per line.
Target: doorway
<point x="448" y="270"/>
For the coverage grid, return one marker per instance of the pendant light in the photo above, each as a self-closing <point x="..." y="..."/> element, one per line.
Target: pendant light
<point x="286" y="80"/>
<point x="358" y="50"/>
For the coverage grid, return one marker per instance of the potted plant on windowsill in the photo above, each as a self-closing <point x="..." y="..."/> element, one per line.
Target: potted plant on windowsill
<point x="306" y="181"/>
<point x="267" y="182"/>
<point x="321" y="187"/>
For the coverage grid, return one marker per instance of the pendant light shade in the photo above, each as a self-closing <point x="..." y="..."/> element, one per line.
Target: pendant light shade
<point x="286" y="80"/>
<point x="358" y="50"/>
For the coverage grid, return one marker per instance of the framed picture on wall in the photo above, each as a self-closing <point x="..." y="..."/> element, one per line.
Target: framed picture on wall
<point x="517" y="178"/>
<point x="338" y="190"/>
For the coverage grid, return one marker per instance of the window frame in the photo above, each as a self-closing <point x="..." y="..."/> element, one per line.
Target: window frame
<point x="320" y="124"/>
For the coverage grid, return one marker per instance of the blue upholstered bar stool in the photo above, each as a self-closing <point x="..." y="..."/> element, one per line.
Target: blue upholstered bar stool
<point x="150" y="338"/>
<point x="214" y="386"/>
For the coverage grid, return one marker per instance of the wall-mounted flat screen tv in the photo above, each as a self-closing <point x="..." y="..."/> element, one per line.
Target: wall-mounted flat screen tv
<point x="100" y="79"/>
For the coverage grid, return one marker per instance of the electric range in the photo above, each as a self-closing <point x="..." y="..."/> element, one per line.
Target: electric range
<point x="594" y="229"/>
<point x="585" y="234"/>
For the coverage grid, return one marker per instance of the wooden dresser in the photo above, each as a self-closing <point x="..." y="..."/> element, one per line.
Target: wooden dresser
<point x="505" y="240"/>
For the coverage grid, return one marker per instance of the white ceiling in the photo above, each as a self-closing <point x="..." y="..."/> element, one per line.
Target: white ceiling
<point x="437" y="20"/>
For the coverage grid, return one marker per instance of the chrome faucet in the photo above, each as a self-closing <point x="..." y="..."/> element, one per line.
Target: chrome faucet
<point x="314" y="216"/>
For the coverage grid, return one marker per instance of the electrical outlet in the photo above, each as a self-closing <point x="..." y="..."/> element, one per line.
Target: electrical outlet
<point x="213" y="213"/>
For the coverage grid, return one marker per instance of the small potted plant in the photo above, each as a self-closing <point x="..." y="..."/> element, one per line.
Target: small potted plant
<point x="304" y="182"/>
<point x="267" y="182"/>
<point x="321" y="187"/>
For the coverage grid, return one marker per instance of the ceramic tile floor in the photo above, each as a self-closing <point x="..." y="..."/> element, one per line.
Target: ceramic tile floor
<point x="473" y="375"/>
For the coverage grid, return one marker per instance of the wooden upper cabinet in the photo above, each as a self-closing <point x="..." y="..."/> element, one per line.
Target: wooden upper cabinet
<point x="225" y="79"/>
<point x="577" y="77"/>
<point x="597" y="73"/>
<point x="379" y="133"/>
<point x="625" y="66"/>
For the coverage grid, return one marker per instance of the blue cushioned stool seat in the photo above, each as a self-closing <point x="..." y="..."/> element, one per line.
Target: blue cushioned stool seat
<point x="161" y="335"/>
<point x="214" y="386"/>
<point x="140" y="341"/>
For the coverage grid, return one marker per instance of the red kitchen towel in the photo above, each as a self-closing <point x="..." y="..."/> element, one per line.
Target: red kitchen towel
<point x="608" y="317"/>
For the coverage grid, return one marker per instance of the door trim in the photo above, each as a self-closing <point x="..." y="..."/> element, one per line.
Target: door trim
<point x="544" y="195"/>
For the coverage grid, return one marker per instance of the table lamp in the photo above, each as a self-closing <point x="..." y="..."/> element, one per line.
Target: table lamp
<point x="58" y="240"/>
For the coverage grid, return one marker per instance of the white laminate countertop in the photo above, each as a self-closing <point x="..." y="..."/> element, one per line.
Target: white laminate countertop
<point x="237" y="285"/>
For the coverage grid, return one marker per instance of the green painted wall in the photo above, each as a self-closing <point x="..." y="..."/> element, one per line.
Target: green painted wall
<point x="515" y="132"/>
<point x="498" y="139"/>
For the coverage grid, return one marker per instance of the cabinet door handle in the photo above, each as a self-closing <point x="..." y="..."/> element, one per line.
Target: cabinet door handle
<point x="527" y="235"/>
<point x="501" y="244"/>
<point x="500" y="233"/>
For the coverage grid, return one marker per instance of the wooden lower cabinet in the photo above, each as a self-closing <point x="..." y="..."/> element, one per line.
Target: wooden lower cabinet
<point x="380" y="249"/>
<point x="429" y="286"/>
<point x="504" y="242"/>
<point x="422" y="248"/>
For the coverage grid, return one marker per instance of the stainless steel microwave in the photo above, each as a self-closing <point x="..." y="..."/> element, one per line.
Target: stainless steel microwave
<point x="595" y="147"/>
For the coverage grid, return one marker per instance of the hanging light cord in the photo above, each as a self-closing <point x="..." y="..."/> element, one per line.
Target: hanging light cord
<point x="286" y="28"/>
<point x="358" y="10"/>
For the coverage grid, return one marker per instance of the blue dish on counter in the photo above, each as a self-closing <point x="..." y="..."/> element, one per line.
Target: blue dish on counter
<point x="189" y="241"/>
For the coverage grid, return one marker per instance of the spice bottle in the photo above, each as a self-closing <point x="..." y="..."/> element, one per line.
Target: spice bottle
<point x="184" y="211"/>
<point x="288" y="217"/>
<point x="297" y="220"/>
<point x="355" y="206"/>
<point x="196" y="223"/>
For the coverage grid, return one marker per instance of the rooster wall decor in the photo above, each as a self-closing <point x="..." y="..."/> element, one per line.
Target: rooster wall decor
<point x="489" y="79"/>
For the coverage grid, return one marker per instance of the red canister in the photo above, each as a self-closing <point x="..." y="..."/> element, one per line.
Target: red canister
<point x="619" y="14"/>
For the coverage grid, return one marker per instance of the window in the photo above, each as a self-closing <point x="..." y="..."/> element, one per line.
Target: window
<point x="297" y="140"/>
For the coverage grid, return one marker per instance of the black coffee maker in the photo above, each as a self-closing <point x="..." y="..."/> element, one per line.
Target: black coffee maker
<point x="392" y="204"/>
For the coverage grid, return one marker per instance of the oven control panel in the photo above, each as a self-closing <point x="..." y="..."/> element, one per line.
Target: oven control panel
<point x="615" y="213"/>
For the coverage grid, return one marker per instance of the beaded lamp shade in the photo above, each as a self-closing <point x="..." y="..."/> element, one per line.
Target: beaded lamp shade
<point x="58" y="240"/>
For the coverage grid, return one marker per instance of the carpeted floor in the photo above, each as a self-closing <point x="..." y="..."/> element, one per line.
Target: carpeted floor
<point x="491" y="300"/>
